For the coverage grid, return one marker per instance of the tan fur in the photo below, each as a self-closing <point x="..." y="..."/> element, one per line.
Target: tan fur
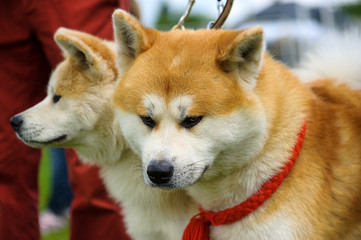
<point x="321" y="197"/>
<point x="219" y="96"/>
<point x="100" y="57"/>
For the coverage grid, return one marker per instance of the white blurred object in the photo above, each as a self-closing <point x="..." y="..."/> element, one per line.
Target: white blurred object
<point x="50" y="222"/>
<point x="337" y="55"/>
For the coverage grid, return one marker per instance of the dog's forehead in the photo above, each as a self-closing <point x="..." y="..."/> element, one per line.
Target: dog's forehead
<point x="67" y="80"/>
<point x="179" y="65"/>
<point x="180" y="48"/>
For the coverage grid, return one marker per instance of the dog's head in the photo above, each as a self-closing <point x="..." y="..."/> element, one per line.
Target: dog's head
<point x="188" y="97"/>
<point x="78" y="95"/>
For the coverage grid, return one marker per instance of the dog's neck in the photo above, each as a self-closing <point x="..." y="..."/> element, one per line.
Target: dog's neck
<point x="284" y="121"/>
<point x="104" y="145"/>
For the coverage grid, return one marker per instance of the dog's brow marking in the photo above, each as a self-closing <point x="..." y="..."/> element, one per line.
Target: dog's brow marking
<point x="153" y="104"/>
<point x="150" y="107"/>
<point x="182" y="110"/>
<point x="180" y="106"/>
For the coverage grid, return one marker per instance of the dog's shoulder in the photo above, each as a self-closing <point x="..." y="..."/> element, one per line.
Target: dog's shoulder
<point x="331" y="157"/>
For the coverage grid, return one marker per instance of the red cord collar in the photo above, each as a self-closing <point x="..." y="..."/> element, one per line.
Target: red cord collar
<point x="198" y="227"/>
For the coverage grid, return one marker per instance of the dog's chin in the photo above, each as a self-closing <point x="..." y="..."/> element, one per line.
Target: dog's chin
<point x="44" y="143"/>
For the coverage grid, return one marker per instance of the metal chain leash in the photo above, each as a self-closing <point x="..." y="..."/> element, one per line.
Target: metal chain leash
<point x="223" y="12"/>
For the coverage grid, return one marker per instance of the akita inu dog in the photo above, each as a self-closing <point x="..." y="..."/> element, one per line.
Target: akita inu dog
<point x="78" y="113"/>
<point x="263" y="154"/>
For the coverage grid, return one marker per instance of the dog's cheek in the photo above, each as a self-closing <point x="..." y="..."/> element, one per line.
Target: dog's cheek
<point x="133" y="130"/>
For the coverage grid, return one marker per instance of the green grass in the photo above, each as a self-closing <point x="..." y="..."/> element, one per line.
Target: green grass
<point x="59" y="235"/>
<point x="44" y="192"/>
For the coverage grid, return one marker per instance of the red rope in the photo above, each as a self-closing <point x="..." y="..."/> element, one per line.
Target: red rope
<point x="198" y="227"/>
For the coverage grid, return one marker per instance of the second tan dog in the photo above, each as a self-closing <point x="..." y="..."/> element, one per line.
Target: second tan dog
<point x="78" y="113"/>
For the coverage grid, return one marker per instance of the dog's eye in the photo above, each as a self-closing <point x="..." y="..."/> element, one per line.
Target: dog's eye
<point x="56" y="98"/>
<point x="190" y="122"/>
<point x="148" y="121"/>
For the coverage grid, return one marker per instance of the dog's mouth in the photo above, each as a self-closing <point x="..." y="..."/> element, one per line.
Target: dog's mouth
<point x="173" y="185"/>
<point x="178" y="185"/>
<point x="52" y="141"/>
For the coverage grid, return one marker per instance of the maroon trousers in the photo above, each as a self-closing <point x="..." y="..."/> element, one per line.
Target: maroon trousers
<point x="27" y="55"/>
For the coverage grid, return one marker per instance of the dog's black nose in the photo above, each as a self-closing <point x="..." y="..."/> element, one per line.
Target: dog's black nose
<point x="16" y="122"/>
<point x="160" y="171"/>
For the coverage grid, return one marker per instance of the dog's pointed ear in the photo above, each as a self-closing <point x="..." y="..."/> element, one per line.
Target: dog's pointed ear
<point x="241" y="53"/>
<point x="89" y="53"/>
<point x="131" y="38"/>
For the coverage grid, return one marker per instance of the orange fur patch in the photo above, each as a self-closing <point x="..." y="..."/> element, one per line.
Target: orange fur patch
<point x="201" y="78"/>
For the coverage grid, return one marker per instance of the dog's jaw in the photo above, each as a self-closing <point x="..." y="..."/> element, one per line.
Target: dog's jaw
<point x="44" y="143"/>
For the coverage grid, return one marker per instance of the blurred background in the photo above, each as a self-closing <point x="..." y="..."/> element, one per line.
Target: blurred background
<point x="291" y="28"/>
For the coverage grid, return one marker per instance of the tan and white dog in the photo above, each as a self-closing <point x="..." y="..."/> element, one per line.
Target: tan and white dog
<point x="212" y="112"/>
<point x="78" y="113"/>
